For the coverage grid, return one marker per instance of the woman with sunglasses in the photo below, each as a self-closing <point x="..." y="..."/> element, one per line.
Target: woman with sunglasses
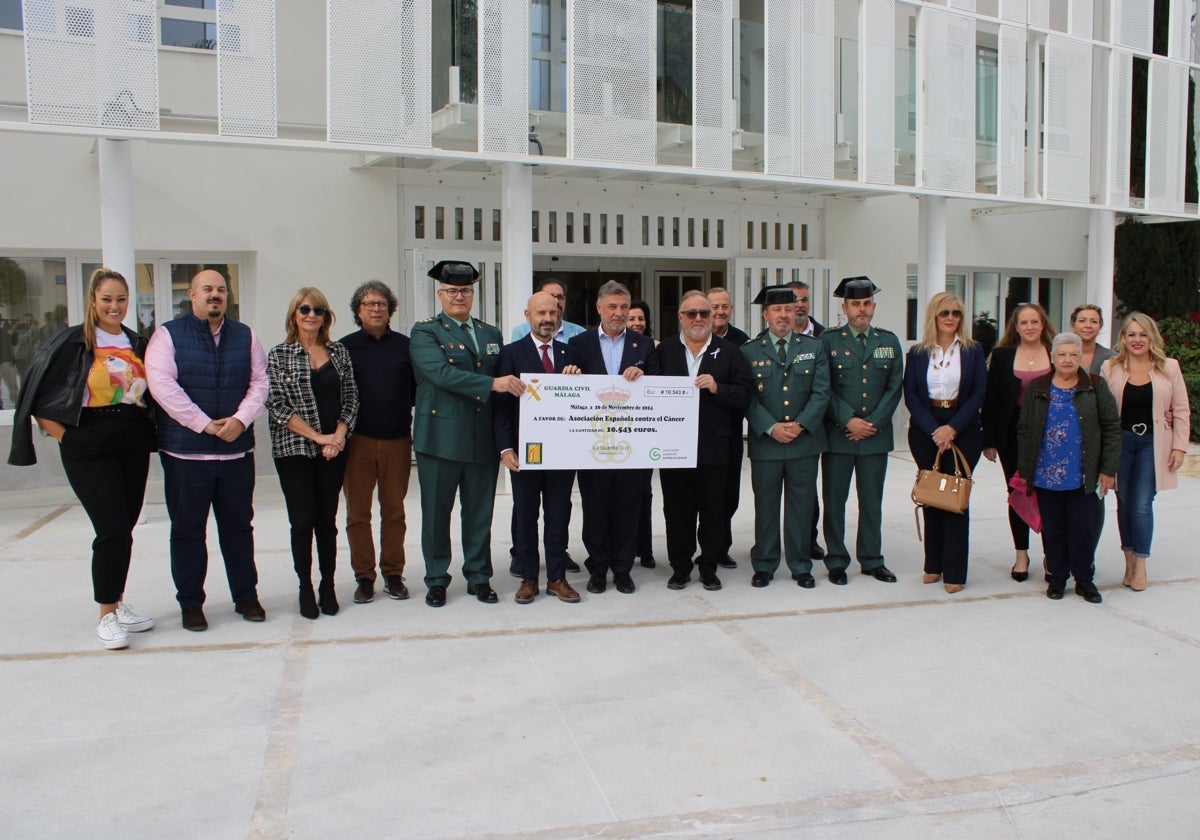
<point x="1155" y="420"/>
<point x="945" y="380"/>
<point x="312" y="405"/>
<point x="86" y="388"/>
<point x="1021" y="356"/>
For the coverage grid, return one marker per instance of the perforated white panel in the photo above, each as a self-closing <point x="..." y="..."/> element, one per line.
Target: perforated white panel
<point x="1014" y="10"/>
<point x="945" y="100"/>
<point x="1133" y="23"/>
<point x="1010" y="95"/>
<point x="817" y="111"/>
<point x="1039" y="13"/>
<point x="877" y="92"/>
<point x="1120" y="96"/>
<point x="378" y="54"/>
<point x="965" y="5"/>
<point x="1166" y="138"/>
<point x="92" y="62"/>
<point x="1079" y="18"/>
<point x="611" y="111"/>
<point x="504" y="76"/>
<point x="1180" y="45"/>
<point x="1068" y="121"/>
<point x="781" y="82"/>
<point x="712" y="58"/>
<point x="246" y="67"/>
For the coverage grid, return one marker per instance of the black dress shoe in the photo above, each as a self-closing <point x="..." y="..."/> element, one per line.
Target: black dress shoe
<point x="710" y="582"/>
<point x="804" y="580"/>
<point x="436" y="596"/>
<point x="838" y="576"/>
<point x="572" y="566"/>
<point x="251" y="610"/>
<point x="678" y="581"/>
<point x="597" y="584"/>
<point x="647" y="561"/>
<point x="727" y="562"/>
<point x="882" y="573"/>
<point x="1019" y="577"/>
<point x="761" y="579"/>
<point x="1088" y="592"/>
<point x="623" y="583"/>
<point x="194" y="620"/>
<point x="1056" y="589"/>
<point x="483" y="592"/>
<point x="816" y="552"/>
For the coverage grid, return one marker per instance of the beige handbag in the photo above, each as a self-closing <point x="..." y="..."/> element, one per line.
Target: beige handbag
<point x="945" y="491"/>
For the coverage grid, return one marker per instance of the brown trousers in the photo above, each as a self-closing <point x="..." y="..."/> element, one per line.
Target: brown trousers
<point x="385" y="464"/>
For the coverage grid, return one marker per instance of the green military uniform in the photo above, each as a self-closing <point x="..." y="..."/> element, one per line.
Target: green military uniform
<point x="866" y="378"/>
<point x="796" y="389"/>
<point x="453" y="441"/>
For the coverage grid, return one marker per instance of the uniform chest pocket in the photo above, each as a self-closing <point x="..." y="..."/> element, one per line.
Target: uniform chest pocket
<point x="882" y="364"/>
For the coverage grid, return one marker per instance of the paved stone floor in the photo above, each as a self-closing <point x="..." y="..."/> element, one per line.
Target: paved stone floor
<point x="871" y="710"/>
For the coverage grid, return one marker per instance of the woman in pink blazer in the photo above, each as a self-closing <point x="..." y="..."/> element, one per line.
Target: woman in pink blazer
<point x="1155" y="421"/>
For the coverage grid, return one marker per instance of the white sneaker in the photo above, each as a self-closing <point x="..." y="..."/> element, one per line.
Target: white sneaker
<point x="130" y="621"/>
<point x="111" y="634"/>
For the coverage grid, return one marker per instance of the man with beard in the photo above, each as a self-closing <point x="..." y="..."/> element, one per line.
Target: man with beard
<point x="208" y="375"/>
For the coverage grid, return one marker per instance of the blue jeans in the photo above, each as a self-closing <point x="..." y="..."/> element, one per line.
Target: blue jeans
<point x="1135" y="493"/>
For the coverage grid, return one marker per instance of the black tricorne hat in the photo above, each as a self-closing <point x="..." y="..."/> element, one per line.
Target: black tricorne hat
<point x="454" y="273"/>
<point x="775" y="294"/>
<point x="856" y="288"/>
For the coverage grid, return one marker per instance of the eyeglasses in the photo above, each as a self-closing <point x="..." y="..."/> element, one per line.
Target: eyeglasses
<point x="946" y="313"/>
<point x="457" y="292"/>
<point x="693" y="314"/>
<point x="305" y="309"/>
<point x="373" y="304"/>
<point x="557" y="297"/>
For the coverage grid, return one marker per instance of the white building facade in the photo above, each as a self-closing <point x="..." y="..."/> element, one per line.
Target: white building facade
<point x="980" y="145"/>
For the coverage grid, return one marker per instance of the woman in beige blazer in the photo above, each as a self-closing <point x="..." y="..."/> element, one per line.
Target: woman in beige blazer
<point x="1155" y="422"/>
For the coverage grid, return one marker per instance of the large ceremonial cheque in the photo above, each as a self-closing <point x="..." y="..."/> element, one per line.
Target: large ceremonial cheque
<point x="602" y="422"/>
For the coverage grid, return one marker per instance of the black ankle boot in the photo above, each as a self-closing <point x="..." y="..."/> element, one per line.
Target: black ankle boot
<point x="329" y="603"/>
<point x="308" y="601"/>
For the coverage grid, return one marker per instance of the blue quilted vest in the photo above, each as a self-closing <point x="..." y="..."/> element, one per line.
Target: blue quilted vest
<point x="215" y="376"/>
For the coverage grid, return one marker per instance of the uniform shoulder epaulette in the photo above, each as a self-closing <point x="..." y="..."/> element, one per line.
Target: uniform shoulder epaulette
<point x="428" y="320"/>
<point x="884" y="331"/>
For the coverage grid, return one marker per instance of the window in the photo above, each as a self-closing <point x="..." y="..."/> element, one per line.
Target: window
<point x="33" y="308"/>
<point x="547" y="55"/>
<point x="188" y="23"/>
<point x="675" y="61"/>
<point x="985" y="94"/>
<point x="10" y="14"/>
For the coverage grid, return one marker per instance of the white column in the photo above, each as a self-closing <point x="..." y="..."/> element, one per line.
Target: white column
<point x="116" y="215"/>
<point x="516" y="238"/>
<point x="1102" y="234"/>
<point x="931" y="249"/>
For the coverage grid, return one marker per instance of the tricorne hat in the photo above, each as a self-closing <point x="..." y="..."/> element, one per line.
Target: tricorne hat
<point x="775" y="294"/>
<point x="856" y="288"/>
<point x="454" y="273"/>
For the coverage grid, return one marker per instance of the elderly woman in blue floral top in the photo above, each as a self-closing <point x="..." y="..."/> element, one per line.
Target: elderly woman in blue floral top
<point x="1068" y="444"/>
<point x="312" y="406"/>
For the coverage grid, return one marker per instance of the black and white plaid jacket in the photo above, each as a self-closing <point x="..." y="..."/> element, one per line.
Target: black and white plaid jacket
<point x="290" y="374"/>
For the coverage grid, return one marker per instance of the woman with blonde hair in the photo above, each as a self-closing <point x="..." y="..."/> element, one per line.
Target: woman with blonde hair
<point x="86" y="388"/>
<point x="1021" y="355"/>
<point x="945" y="379"/>
<point x="1155" y="421"/>
<point x="312" y="405"/>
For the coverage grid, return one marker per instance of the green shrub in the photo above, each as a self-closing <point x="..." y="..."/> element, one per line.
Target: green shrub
<point x="1193" y="389"/>
<point x="1181" y="339"/>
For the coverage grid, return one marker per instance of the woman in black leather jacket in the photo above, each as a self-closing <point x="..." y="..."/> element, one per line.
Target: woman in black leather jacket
<point x="86" y="388"/>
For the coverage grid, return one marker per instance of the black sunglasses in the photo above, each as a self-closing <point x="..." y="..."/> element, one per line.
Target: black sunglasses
<point x="693" y="314"/>
<point x="305" y="309"/>
<point x="946" y="313"/>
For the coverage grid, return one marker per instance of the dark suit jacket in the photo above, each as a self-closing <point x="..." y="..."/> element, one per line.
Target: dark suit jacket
<point x="522" y="356"/>
<point x="639" y="352"/>
<point x="1000" y="404"/>
<point x="971" y="388"/>
<point x="818" y="327"/>
<point x="720" y="413"/>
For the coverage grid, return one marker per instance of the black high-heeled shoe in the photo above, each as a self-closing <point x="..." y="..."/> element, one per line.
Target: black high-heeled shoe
<point x="328" y="597"/>
<point x="308" y="602"/>
<point x="1019" y="577"/>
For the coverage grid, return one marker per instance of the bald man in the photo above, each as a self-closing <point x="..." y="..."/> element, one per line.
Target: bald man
<point x="547" y="490"/>
<point x="208" y="375"/>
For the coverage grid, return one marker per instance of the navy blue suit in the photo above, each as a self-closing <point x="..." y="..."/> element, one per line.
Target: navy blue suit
<point x="533" y="489"/>
<point x="612" y="497"/>
<point x="947" y="534"/>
